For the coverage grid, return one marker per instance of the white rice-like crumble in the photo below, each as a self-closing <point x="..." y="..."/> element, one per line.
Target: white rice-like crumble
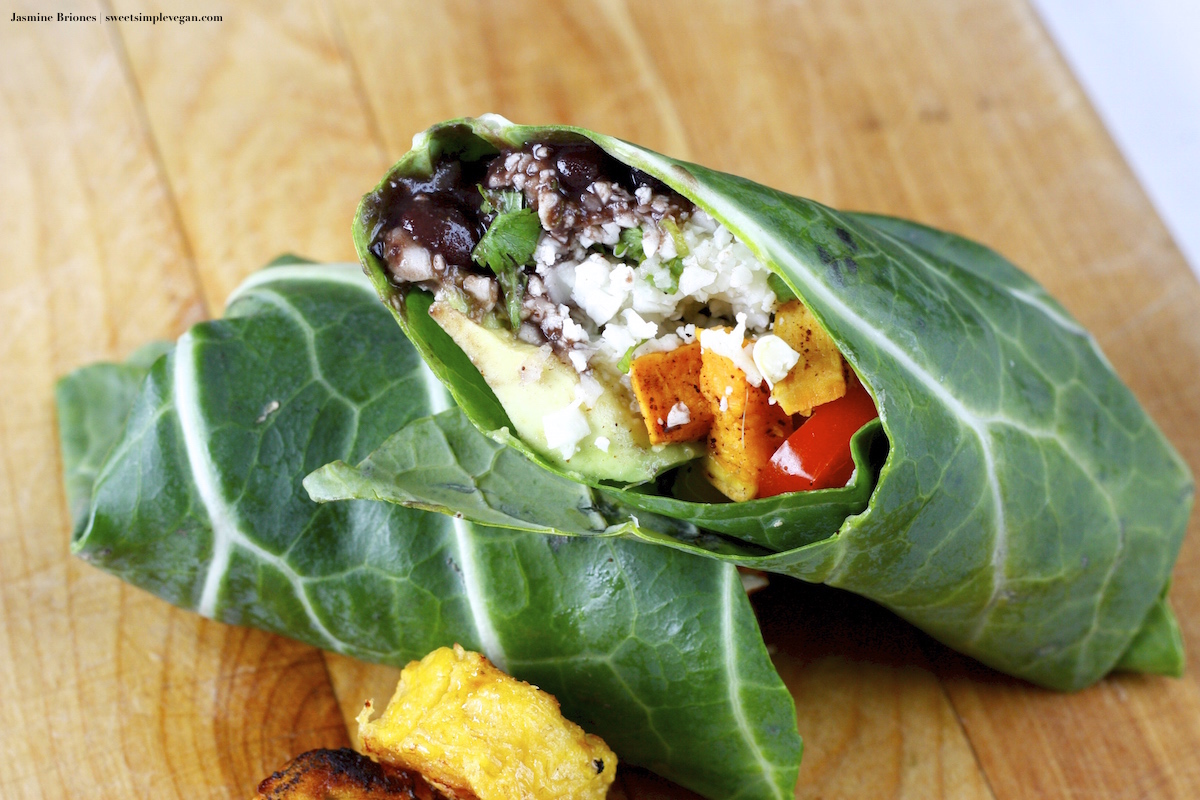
<point x="620" y="306"/>
<point x="604" y="308"/>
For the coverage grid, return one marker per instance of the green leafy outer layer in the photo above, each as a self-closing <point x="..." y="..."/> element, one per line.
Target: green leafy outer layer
<point x="1029" y="511"/>
<point x="443" y="463"/>
<point x="199" y="501"/>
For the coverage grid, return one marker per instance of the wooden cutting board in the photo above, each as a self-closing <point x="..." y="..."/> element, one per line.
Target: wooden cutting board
<point x="146" y="168"/>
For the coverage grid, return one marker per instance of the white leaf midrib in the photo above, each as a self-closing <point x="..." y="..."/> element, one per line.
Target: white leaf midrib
<point x="224" y="522"/>
<point x="477" y="601"/>
<point x="730" y="595"/>
<point x="438" y="399"/>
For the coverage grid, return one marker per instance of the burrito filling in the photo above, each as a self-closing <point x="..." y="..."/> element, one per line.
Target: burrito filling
<point x="651" y="332"/>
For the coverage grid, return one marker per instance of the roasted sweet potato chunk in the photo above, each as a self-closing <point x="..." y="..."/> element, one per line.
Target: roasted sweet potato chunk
<point x="818" y="376"/>
<point x="666" y="381"/>
<point x="746" y="428"/>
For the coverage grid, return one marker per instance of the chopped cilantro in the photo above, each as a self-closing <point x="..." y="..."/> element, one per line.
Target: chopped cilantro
<point x="782" y="291"/>
<point x="627" y="360"/>
<point x="629" y="246"/>
<point x="496" y="201"/>
<point x="506" y="246"/>
<point x="668" y="225"/>
<point x="454" y="298"/>
<point x="675" y="265"/>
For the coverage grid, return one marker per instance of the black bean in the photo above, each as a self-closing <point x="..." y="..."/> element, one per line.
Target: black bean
<point x="442" y="227"/>
<point x="578" y="164"/>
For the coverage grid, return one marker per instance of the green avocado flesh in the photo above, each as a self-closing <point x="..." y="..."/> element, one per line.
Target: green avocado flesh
<point x="531" y="382"/>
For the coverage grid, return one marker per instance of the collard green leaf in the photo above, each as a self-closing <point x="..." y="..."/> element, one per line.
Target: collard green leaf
<point x="444" y="463"/>
<point x="1029" y="511"/>
<point x="200" y="501"/>
<point x="779" y="286"/>
<point x="1158" y="646"/>
<point x="289" y="258"/>
<point x="87" y="429"/>
<point x="779" y="523"/>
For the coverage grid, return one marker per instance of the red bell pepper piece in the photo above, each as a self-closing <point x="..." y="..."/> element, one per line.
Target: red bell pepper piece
<point x="817" y="455"/>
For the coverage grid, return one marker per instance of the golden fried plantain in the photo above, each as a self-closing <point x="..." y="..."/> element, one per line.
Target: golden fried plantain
<point x="475" y="732"/>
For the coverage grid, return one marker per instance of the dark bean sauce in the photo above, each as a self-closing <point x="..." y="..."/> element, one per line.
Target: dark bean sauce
<point x="440" y="212"/>
<point x="442" y="226"/>
<point x="578" y="165"/>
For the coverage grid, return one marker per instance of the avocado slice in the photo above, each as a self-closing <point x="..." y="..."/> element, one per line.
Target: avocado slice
<point x="531" y="383"/>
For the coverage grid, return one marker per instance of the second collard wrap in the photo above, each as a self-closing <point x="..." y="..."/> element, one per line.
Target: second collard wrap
<point x="183" y="471"/>
<point x="1028" y="513"/>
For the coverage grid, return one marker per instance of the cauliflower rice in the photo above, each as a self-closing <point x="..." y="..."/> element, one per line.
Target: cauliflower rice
<point x="619" y="306"/>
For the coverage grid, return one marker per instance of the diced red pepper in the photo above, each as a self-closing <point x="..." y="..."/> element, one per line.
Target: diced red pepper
<point x="817" y="455"/>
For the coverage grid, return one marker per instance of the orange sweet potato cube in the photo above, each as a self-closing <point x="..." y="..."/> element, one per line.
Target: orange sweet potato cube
<point x="818" y="376"/>
<point x="746" y="430"/>
<point x="661" y="381"/>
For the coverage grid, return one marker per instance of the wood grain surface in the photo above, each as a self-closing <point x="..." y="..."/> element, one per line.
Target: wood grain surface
<point x="146" y="169"/>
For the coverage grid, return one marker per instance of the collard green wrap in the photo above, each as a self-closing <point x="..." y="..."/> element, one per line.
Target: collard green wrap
<point x="184" y="475"/>
<point x="1028" y="512"/>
